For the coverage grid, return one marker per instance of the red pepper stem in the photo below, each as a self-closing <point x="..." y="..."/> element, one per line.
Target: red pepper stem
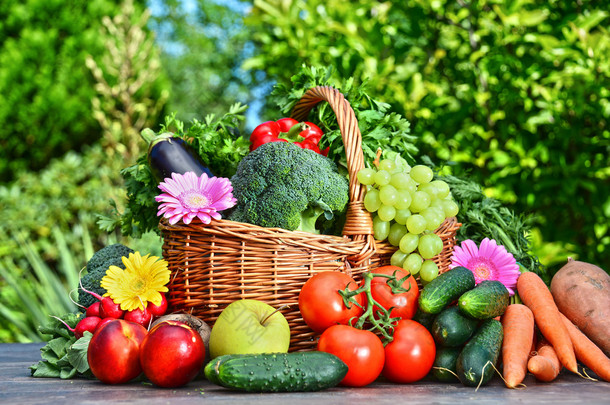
<point x="293" y="134"/>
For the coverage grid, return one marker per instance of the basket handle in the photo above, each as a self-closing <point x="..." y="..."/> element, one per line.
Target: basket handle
<point x="358" y="224"/>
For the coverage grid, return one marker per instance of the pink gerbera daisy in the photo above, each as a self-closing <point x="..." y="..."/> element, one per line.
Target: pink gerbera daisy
<point x="187" y="196"/>
<point x="490" y="261"/>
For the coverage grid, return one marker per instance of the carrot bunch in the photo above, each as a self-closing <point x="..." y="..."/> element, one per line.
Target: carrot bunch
<point x="563" y="343"/>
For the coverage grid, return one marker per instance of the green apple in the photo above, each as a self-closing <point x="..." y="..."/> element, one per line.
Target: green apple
<point x="249" y="326"/>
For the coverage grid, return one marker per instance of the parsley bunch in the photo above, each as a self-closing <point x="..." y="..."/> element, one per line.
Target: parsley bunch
<point x="217" y="141"/>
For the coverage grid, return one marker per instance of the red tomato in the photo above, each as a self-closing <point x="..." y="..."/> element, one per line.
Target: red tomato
<point x="404" y="304"/>
<point x="361" y="350"/>
<point x="410" y="356"/>
<point x="322" y="306"/>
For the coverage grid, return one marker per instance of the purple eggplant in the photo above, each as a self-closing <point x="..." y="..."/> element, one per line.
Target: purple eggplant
<point x="168" y="153"/>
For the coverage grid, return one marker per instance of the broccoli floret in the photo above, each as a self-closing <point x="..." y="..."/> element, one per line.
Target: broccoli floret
<point x="96" y="269"/>
<point x="281" y="185"/>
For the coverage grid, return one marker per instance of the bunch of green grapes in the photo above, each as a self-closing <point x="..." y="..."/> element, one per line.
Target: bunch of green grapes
<point x="407" y="206"/>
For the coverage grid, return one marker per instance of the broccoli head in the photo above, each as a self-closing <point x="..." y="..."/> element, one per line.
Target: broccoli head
<point x="96" y="269"/>
<point x="281" y="185"/>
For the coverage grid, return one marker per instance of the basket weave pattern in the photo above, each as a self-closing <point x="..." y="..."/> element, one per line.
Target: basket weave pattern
<point x="216" y="264"/>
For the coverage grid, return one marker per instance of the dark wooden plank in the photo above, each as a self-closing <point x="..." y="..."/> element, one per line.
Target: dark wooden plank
<point x="16" y="386"/>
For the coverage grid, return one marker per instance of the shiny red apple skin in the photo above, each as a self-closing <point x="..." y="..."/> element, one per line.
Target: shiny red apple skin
<point x="114" y="351"/>
<point x="172" y="354"/>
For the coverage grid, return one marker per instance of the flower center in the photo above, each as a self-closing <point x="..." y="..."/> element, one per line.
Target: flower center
<point x="193" y="199"/>
<point x="482" y="268"/>
<point x="139" y="285"/>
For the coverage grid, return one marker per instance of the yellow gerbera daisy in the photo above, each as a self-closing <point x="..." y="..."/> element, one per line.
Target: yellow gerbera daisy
<point x="142" y="281"/>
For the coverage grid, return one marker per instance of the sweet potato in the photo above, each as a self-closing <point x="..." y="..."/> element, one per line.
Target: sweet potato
<point x="582" y="293"/>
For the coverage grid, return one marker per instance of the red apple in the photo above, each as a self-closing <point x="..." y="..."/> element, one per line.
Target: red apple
<point x="114" y="351"/>
<point x="172" y="354"/>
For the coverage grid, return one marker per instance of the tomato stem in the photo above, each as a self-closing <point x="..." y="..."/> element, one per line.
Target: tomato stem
<point x="383" y="322"/>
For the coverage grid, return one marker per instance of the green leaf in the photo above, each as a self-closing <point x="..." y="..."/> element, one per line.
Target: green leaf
<point x="533" y="18"/>
<point x="592" y="19"/>
<point x="63" y="362"/>
<point x="46" y="353"/>
<point x="59" y="345"/>
<point x="67" y="373"/>
<point x="44" y="369"/>
<point x="77" y="354"/>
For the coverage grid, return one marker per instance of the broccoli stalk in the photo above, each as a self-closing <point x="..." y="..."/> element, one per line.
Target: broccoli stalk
<point x="281" y="185"/>
<point x="310" y="216"/>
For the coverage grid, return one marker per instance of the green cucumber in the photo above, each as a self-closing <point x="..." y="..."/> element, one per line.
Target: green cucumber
<point x="451" y="328"/>
<point x="476" y="363"/>
<point x="444" y="289"/>
<point x="277" y="372"/>
<point x="424" y="318"/>
<point x="445" y="363"/>
<point x="487" y="300"/>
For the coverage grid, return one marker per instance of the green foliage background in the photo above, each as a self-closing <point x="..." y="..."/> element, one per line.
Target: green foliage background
<point x="45" y="87"/>
<point x="515" y="93"/>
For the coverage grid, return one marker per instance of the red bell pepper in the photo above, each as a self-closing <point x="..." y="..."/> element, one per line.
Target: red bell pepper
<point x="306" y="135"/>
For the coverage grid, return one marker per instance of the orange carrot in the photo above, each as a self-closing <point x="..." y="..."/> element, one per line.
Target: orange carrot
<point x="518" y="325"/>
<point x="536" y="295"/>
<point x="545" y="365"/>
<point x="534" y="342"/>
<point x="587" y="352"/>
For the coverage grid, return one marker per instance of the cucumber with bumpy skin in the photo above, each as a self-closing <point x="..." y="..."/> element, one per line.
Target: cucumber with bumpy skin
<point x="488" y="299"/>
<point x="476" y="362"/>
<point x="451" y="328"/>
<point x="277" y="372"/>
<point x="445" y="362"/>
<point x="444" y="289"/>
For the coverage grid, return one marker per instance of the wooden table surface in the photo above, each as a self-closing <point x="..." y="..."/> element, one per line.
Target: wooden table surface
<point x="18" y="387"/>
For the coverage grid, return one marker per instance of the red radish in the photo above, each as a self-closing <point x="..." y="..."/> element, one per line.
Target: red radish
<point x="87" y="324"/>
<point x="141" y="316"/>
<point x="93" y="309"/>
<point x="110" y="309"/>
<point x="158" y="310"/>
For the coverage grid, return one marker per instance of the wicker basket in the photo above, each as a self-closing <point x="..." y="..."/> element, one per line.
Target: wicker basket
<point x="216" y="264"/>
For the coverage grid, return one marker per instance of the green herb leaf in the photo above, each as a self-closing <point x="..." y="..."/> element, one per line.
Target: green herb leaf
<point x="45" y="369"/>
<point x="67" y="373"/>
<point x="59" y="345"/>
<point x="77" y="354"/>
<point x="217" y="141"/>
<point x="61" y="356"/>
